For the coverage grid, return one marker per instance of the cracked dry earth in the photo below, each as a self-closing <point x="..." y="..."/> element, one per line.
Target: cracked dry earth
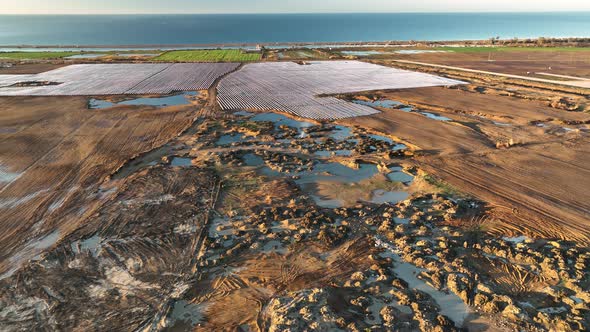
<point x="266" y="223"/>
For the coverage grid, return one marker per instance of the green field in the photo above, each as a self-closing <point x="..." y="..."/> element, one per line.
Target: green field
<point x="209" y="56"/>
<point x="35" y="55"/>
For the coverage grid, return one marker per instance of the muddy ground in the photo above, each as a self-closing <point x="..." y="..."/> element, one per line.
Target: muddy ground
<point x="55" y="153"/>
<point x="448" y="211"/>
<point x="534" y="183"/>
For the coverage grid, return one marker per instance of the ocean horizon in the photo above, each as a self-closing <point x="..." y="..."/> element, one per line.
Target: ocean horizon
<point x="177" y="29"/>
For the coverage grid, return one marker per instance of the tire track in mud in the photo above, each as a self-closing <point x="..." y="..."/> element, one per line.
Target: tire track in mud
<point x="553" y="228"/>
<point x="51" y="150"/>
<point x="212" y="108"/>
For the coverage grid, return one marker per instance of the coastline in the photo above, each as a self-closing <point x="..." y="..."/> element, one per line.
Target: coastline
<point x="280" y="45"/>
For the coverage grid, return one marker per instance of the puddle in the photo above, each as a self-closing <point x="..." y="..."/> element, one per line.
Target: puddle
<point x="181" y="162"/>
<point x="326" y="153"/>
<point x="450" y="304"/>
<point x="180" y="99"/>
<point x="327" y="203"/>
<point x="386" y="103"/>
<point x="230" y="139"/>
<point x="400" y="176"/>
<point x="517" y="239"/>
<point x="252" y="159"/>
<point x="85" y="56"/>
<point x="382" y="138"/>
<point x="281" y="120"/>
<point x="341" y="133"/>
<point x="149" y="159"/>
<point x="187" y="313"/>
<point x="382" y="103"/>
<point x="220" y="227"/>
<point x="554" y="310"/>
<point x="327" y="172"/>
<point x="434" y="116"/>
<point x="404" y="221"/>
<point x="7" y="176"/>
<point x="12" y="202"/>
<point x="91" y="244"/>
<point x="338" y="173"/>
<point x="45" y="242"/>
<point x="274" y="246"/>
<point x="31" y="251"/>
<point x="381" y="196"/>
<point x="501" y="124"/>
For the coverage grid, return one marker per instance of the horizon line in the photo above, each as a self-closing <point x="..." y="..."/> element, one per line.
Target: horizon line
<point x="299" y="13"/>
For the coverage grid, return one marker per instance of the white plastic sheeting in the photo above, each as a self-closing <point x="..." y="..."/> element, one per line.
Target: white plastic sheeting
<point x="115" y="79"/>
<point x="297" y="89"/>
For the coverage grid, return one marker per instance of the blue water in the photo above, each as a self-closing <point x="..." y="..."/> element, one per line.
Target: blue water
<point x="277" y="28"/>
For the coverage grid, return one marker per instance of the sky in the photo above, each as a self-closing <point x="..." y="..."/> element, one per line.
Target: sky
<point x="281" y="6"/>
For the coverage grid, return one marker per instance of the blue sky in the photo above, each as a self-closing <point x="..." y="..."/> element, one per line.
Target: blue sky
<point x="281" y="6"/>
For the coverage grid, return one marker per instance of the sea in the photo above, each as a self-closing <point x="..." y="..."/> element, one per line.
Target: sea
<point x="37" y="30"/>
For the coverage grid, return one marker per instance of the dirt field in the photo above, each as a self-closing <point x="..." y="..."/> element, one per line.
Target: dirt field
<point x="453" y="209"/>
<point x="532" y="187"/>
<point x="573" y="63"/>
<point x="56" y="153"/>
<point x="32" y="68"/>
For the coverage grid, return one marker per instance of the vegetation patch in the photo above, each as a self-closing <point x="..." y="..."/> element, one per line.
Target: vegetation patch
<point x="36" y="55"/>
<point x="209" y="56"/>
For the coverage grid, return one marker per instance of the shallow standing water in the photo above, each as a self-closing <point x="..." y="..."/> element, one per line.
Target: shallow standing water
<point x="179" y="99"/>
<point x="450" y="304"/>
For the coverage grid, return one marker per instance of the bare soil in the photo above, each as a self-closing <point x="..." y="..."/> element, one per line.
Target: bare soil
<point x="138" y="218"/>
<point x="533" y="187"/>
<point x="59" y="152"/>
<point x="29" y="68"/>
<point x="572" y="63"/>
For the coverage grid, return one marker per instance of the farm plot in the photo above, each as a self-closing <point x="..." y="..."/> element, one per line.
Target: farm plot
<point x="297" y="89"/>
<point x="113" y="79"/>
<point x="36" y="55"/>
<point x="209" y="56"/>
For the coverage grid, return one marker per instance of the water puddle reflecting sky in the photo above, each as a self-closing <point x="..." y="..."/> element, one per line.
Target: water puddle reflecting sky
<point x="180" y="99"/>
